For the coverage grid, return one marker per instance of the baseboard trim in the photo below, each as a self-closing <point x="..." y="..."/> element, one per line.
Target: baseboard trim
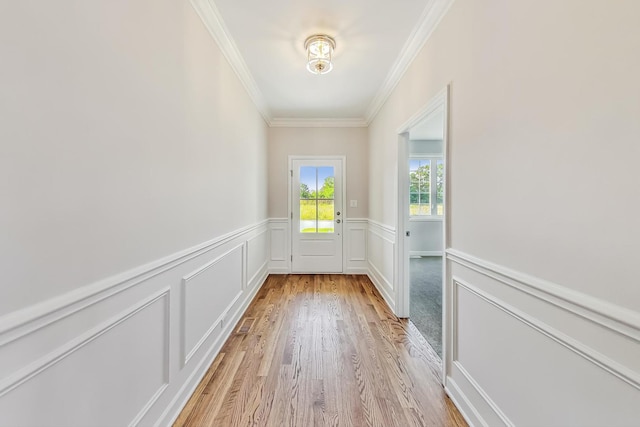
<point x="378" y="280"/>
<point x="356" y="270"/>
<point x="425" y="253"/>
<point x="482" y="393"/>
<point x="460" y="400"/>
<point x="169" y="416"/>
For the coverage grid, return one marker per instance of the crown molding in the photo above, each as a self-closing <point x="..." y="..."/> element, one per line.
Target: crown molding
<point x="210" y="16"/>
<point x="318" y="123"/>
<point x="429" y="20"/>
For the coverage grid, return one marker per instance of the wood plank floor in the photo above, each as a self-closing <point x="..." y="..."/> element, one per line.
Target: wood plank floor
<point x="321" y="350"/>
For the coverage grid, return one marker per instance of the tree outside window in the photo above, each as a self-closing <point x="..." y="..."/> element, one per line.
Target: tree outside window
<point x="426" y="189"/>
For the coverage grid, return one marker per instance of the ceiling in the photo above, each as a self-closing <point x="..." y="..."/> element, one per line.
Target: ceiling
<point x="376" y="40"/>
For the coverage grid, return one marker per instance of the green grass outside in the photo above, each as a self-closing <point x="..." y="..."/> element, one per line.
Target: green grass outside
<point x="416" y="209"/>
<point x="308" y="210"/>
<point x="320" y="230"/>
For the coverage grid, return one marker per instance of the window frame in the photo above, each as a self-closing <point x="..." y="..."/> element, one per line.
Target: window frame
<point x="433" y="186"/>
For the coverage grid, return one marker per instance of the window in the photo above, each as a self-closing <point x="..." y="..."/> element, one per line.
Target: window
<point x="317" y="202"/>
<point x="426" y="187"/>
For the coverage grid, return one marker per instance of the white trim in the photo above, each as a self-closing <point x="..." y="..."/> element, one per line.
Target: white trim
<point x="482" y="393"/>
<point x="611" y="316"/>
<point x="28" y="320"/>
<point x="30" y="371"/>
<point x="174" y="408"/>
<point x="318" y="123"/>
<point x="382" y="226"/>
<point x="425" y="156"/>
<point x="425" y="253"/>
<point x="386" y="239"/>
<point x="426" y="218"/>
<point x="210" y="16"/>
<point x="379" y="282"/>
<point x="245" y="279"/>
<point x="461" y="401"/>
<point x="438" y="102"/>
<point x="261" y="270"/>
<point x="428" y="22"/>
<point x="357" y="220"/>
<point x="610" y="366"/>
<point x="188" y="354"/>
<point x="364" y="257"/>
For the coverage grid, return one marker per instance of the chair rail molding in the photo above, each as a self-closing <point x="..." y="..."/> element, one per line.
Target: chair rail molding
<point x="178" y="310"/>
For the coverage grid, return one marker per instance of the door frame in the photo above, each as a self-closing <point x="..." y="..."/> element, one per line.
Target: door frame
<point x="343" y="198"/>
<point x="440" y="100"/>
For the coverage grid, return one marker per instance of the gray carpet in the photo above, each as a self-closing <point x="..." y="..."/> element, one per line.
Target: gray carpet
<point x="425" y="310"/>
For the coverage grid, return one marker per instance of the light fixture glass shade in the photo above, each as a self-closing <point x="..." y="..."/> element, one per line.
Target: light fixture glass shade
<point x="319" y="53"/>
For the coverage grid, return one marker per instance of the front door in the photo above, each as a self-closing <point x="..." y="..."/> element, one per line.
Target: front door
<point x="316" y="216"/>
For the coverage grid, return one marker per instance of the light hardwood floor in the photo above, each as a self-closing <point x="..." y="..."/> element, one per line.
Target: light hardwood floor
<point x="321" y="350"/>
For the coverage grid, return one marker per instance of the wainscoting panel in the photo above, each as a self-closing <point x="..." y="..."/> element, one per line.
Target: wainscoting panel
<point x="381" y="259"/>
<point x="257" y="256"/>
<point x="130" y="349"/>
<point x="279" y="242"/>
<point x="355" y="253"/>
<point x="529" y="352"/>
<point x="110" y="375"/>
<point x="206" y="294"/>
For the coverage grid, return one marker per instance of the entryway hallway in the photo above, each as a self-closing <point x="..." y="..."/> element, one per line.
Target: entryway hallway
<point x="321" y="350"/>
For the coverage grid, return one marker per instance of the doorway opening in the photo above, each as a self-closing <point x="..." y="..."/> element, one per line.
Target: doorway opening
<point x="426" y="211"/>
<point x="422" y="220"/>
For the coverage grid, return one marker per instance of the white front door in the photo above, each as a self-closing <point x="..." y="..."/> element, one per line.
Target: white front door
<point x="317" y="216"/>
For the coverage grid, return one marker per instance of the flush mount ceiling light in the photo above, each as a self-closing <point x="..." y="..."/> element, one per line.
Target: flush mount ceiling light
<point x="319" y="52"/>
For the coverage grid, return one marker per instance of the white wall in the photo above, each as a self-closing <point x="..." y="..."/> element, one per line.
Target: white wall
<point x="426" y="237"/>
<point x="348" y="142"/>
<point x="542" y="258"/>
<point x="133" y="189"/>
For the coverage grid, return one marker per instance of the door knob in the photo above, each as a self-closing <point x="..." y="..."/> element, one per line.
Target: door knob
<point x="338" y="213"/>
<point x="338" y="221"/>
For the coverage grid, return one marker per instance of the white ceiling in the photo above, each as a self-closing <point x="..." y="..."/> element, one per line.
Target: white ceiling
<point x="376" y="40"/>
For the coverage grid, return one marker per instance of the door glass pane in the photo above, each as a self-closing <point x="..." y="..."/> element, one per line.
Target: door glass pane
<point x="325" y="216"/>
<point x="308" y="182"/>
<point x="317" y="195"/>
<point x="326" y="182"/>
<point x="308" y="216"/>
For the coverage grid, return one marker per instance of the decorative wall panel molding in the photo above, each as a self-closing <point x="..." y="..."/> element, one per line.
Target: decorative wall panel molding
<point x="126" y="337"/>
<point x="539" y="333"/>
<point x="279" y="244"/>
<point x="138" y="338"/>
<point x="206" y="295"/>
<point x="381" y="259"/>
<point x="355" y="246"/>
<point x="608" y="315"/>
